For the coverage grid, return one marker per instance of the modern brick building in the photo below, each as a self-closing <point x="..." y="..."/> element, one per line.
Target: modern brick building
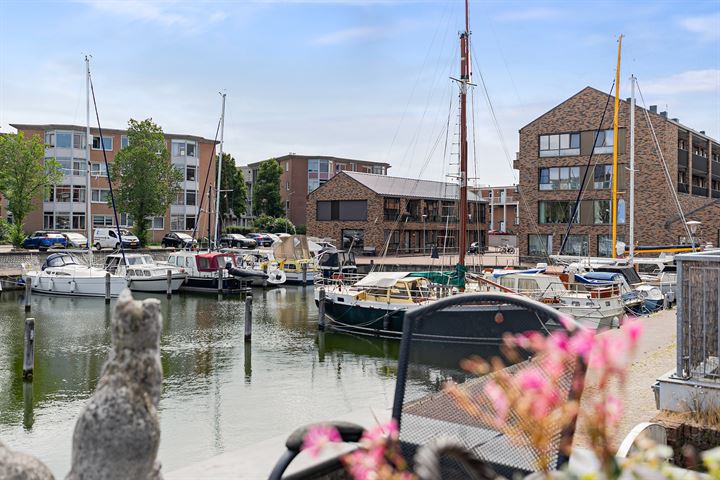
<point x="302" y="174"/>
<point x="366" y="210"/>
<point x="554" y="155"/>
<point x="503" y="204"/>
<point x="64" y="207"/>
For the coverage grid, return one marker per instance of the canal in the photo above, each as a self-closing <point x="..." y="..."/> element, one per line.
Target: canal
<point x="219" y="393"/>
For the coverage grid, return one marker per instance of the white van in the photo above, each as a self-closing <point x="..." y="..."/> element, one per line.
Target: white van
<point x="108" y="238"/>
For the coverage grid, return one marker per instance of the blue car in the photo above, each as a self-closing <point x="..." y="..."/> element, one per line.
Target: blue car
<point x="43" y="240"/>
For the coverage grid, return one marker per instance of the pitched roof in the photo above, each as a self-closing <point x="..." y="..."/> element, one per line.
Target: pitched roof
<point x="409" y="187"/>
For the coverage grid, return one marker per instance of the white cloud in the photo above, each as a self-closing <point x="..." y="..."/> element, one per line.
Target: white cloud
<point x="350" y="34"/>
<point x="707" y="26"/>
<point x="168" y="13"/>
<point x="528" y="14"/>
<point x="691" y="81"/>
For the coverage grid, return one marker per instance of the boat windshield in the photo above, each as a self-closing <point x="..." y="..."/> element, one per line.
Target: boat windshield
<point x="223" y="260"/>
<point x="63" y="260"/>
<point x="139" y="260"/>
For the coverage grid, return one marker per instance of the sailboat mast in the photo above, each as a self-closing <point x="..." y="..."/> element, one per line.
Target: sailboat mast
<point x="88" y="143"/>
<point x="615" y="151"/>
<point x="218" y="186"/>
<point x="464" y="81"/>
<point x="632" y="168"/>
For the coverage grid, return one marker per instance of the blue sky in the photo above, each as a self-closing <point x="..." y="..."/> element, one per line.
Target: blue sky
<point x="359" y="79"/>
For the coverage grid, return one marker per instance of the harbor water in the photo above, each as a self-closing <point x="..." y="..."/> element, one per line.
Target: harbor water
<point x="219" y="393"/>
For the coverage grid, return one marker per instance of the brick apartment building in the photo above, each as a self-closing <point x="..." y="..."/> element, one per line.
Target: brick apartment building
<point x="64" y="207"/>
<point x="366" y="210"/>
<point x="503" y="205"/>
<point x="302" y="174"/>
<point x="554" y="152"/>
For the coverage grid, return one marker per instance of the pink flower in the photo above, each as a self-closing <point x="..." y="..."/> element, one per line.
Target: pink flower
<point x="581" y="343"/>
<point x="559" y="342"/>
<point x="319" y="436"/>
<point x="568" y="322"/>
<point x="382" y="431"/>
<point x="633" y="330"/>
<point x="499" y="400"/>
<point x="364" y="464"/>
<point x="531" y="379"/>
<point x="613" y="411"/>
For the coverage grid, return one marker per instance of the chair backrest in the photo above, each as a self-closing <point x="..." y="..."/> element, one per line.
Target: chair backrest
<point x="436" y="338"/>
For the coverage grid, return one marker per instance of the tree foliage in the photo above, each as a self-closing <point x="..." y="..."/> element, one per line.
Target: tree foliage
<point x="266" y="190"/>
<point x="24" y="177"/>
<point x="234" y="200"/>
<point x="147" y="181"/>
<point x="266" y="223"/>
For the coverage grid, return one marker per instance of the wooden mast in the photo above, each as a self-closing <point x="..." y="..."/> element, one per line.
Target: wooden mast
<point x="615" y="151"/>
<point x="464" y="81"/>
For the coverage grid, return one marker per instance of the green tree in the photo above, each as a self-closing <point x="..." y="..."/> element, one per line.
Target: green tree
<point x="147" y="181"/>
<point x="233" y="200"/>
<point x="24" y="176"/>
<point x="266" y="190"/>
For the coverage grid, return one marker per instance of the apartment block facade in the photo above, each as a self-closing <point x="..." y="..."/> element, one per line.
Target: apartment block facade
<point x="303" y="174"/>
<point x="503" y="206"/>
<point x="555" y="157"/>
<point x="63" y="209"/>
<point x="364" y="210"/>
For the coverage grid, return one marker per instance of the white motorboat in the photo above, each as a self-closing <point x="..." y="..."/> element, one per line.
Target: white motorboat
<point x="143" y="274"/>
<point x="66" y="274"/>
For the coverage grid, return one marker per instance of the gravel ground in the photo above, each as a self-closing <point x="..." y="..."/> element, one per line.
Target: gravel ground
<point x="655" y="355"/>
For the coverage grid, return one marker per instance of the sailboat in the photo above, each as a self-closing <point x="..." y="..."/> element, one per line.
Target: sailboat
<point x="376" y="303"/>
<point x="65" y="273"/>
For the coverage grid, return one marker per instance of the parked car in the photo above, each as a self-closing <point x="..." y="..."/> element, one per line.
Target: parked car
<point x="272" y="236"/>
<point x="178" y="240"/>
<point x="75" y="240"/>
<point x="43" y="240"/>
<point x="262" y="240"/>
<point x="108" y="238"/>
<point x="236" y="240"/>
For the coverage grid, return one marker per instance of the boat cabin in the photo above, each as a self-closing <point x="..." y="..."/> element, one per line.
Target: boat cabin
<point x="209" y="262"/>
<point x="131" y="259"/>
<point x="393" y="287"/>
<point x="337" y="261"/>
<point x="60" y="260"/>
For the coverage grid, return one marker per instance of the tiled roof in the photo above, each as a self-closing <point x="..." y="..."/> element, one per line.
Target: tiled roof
<point x="408" y="187"/>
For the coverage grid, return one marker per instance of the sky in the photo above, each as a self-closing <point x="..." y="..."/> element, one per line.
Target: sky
<point x="364" y="79"/>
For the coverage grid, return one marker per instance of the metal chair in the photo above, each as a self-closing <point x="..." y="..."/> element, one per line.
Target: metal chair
<point x="428" y="420"/>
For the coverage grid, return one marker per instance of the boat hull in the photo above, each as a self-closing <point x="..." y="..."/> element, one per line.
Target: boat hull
<point x="296" y="278"/>
<point x="477" y="324"/>
<point x="157" y="284"/>
<point x="210" y="285"/>
<point x="77" y="286"/>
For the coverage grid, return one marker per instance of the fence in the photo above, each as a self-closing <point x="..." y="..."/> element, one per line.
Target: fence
<point x="698" y="316"/>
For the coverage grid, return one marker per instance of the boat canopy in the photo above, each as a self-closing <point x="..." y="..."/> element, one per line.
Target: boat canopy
<point x="598" y="278"/>
<point x="59" y="260"/>
<point x="454" y="278"/>
<point x="530" y="271"/>
<point x="381" y="279"/>
<point x="292" y="247"/>
<point x="211" y="262"/>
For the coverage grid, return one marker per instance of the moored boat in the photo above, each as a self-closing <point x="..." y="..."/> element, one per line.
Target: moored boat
<point x="66" y="274"/>
<point x="143" y="274"/>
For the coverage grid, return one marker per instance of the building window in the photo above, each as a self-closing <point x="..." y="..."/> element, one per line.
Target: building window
<point x="78" y="167"/>
<point x="65" y="164"/>
<point x="177" y="222"/>
<point x="602" y="177"/>
<point x="98" y="170"/>
<point x="126" y="220"/>
<point x="558" y="178"/>
<point x="79" y="140"/>
<point x="100" y="195"/>
<point x="179" y="198"/>
<point x="604" y="247"/>
<point x="716" y="184"/>
<point x="560" y="145"/>
<point x="190" y="222"/>
<point x="63" y="140"/>
<point x="287" y="185"/>
<point x="124" y="141"/>
<point x="190" y="198"/>
<point x="346" y="210"/>
<point x="48" y="220"/>
<point x="621" y="212"/>
<point x="378" y="169"/>
<point x="190" y="173"/>
<point x="391" y="208"/>
<point x="287" y="166"/>
<point x="78" y="221"/>
<point x="318" y="173"/>
<point x="339" y="167"/>
<point x="552" y="211"/>
<point x="50" y="139"/>
<point x="698" y="181"/>
<point x="78" y="194"/>
<point x="63" y="194"/>
<point x="682" y="144"/>
<point x="156" y="223"/>
<point x="107" y="143"/>
<point x="601" y="212"/>
<point x="62" y="221"/>
<point x="102" y="221"/>
<point x="353" y="239"/>
<point x="539" y="245"/>
<point x="604" y="141"/>
<point x="682" y="177"/>
<point x="576" y="245"/>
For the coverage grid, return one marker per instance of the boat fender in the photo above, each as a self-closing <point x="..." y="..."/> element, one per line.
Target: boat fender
<point x="386" y="321"/>
<point x="72" y="286"/>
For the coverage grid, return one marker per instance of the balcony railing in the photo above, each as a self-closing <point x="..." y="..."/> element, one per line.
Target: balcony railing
<point x="683" y="188"/>
<point x="682" y="158"/>
<point x="716" y="193"/>
<point x="699" y="191"/>
<point x="700" y="164"/>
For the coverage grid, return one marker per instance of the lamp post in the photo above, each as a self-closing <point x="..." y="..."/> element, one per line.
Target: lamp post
<point x="693" y="226"/>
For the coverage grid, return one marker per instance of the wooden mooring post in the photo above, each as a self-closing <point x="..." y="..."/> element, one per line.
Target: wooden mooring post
<point x="220" y="281"/>
<point x="29" y="349"/>
<point x="28" y="294"/>
<point x="248" y="317"/>
<point x="107" y="288"/>
<point x="304" y="271"/>
<point x="168" y="289"/>
<point x="321" y="309"/>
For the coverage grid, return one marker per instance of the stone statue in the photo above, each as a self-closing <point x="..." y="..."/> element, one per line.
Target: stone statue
<point x="118" y="432"/>
<point x="20" y="466"/>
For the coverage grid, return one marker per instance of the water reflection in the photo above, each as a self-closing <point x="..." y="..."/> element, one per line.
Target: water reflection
<point x="219" y="392"/>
